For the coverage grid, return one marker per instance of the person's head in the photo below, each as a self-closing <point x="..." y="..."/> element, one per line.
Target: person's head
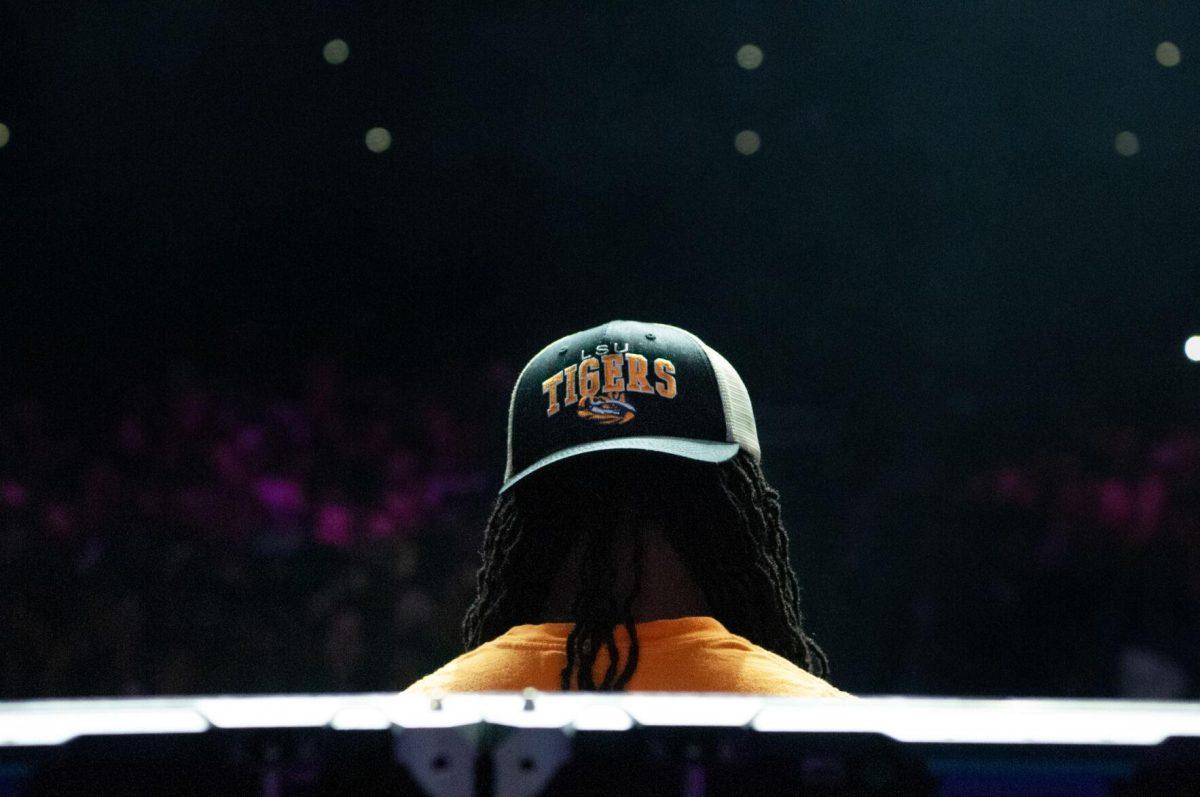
<point x="606" y="490"/>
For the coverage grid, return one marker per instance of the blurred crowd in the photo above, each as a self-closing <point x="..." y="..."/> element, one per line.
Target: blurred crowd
<point x="197" y="540"/>
<point x="1074" y="570"/>
<point x="188" y="538"/>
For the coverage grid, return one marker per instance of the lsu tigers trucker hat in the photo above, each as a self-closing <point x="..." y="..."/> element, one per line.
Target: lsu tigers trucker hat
<point x="627" y="385"/>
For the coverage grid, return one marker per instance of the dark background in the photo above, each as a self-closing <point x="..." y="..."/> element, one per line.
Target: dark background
<point x="937" y="266"/>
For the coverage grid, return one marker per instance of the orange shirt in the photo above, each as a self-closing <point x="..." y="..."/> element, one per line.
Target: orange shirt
<point x="688" y="654"/>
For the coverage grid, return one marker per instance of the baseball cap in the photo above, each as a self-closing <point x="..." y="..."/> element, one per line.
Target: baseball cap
<point x="627" y="385"/>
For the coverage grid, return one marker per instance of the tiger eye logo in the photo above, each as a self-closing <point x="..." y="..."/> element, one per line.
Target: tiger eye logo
<point x="601" y="384"/>
<point x="610" y="409"/>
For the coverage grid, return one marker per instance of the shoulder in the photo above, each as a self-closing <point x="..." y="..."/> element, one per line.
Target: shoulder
<point x="753" y="669"/>
<point x="710" y="658"/>
<point x="773" y="674"/>
<point x="498" y="665"/>
<point x="451" y="675"/>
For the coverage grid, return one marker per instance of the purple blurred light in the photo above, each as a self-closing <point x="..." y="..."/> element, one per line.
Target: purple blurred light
<point x="335" y="525"/>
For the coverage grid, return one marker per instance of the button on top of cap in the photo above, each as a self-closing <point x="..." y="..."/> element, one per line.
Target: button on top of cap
<point x="650" y="336"/>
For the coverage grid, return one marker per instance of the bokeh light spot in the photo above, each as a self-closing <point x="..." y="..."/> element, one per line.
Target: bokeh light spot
<point x="5" y="134"/>
<point x="1167" y="54"/>
<point x="747" y="142"/>
<point x="1126" y="143"/>
<point x="378" y="139"/>
<point x="336" y="51"/>
<point x="749" y="56"/>
<point x="1191" y="348"/>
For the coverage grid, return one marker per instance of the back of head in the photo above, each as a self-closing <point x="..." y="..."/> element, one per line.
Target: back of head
<point x="596" y="513"/>
<point x="632" y="450"/>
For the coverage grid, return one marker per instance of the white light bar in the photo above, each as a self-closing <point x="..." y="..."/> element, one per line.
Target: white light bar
<point x="531" y="710"/>
<point x="360" y="718"/>
<point x="931" y="720"/>
<point x="602" y="717"/>
<point x="947" y="721"/>
<point x="52" y="724"/>
<point x="270" y="712"/>
<point x="450" y="711"/>
<point x="730" y="711"/>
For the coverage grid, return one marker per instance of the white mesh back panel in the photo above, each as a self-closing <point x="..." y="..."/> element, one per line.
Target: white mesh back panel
<point x="739" y="415"/>
<point x="735" y="400"/>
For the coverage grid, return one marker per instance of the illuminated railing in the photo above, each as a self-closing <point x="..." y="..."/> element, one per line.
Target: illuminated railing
<point x="927" y="720"/>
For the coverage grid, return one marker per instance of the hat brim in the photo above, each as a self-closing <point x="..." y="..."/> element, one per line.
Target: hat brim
<point x="699" y="450"/>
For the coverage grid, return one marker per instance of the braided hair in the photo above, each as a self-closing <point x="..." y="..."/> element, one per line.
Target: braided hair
<point x="722" y="520"/>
